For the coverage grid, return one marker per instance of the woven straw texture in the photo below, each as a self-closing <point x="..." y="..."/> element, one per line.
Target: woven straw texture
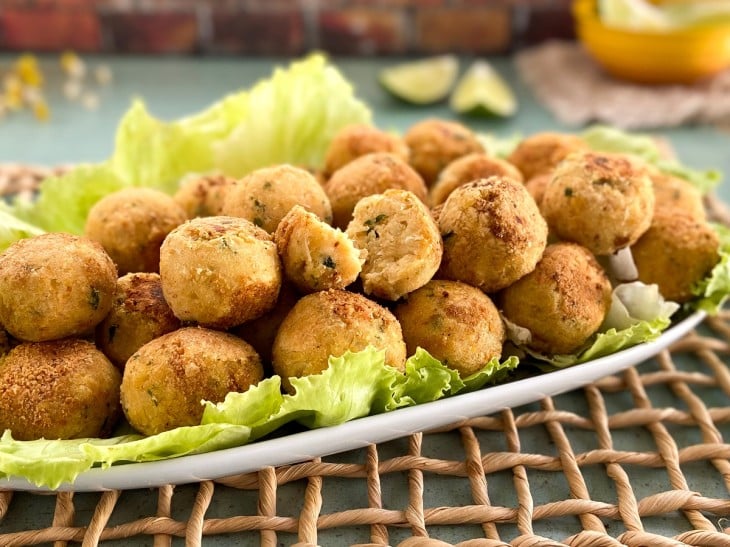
<point x="636" y="459"/>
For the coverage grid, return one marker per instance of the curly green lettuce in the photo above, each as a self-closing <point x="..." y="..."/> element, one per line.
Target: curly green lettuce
<point x="288" y="118"/>
<point x="354" y="385"/>
<point x="13" y="229"/>
<point x="638" y="314"/>
<point x="610" y="139"/>
<point x="712" y="292"/>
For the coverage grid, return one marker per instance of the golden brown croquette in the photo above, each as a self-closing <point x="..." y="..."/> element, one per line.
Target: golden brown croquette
<point x="203" y="196"/>
<point x="53" y="286"/>
<point x="676" y="252"/>
<point x="131" y="224"/>
<point x="537" y="185"/>
<point x="329" y="323"/>
<point x="368" y="175"/>
<point x="601" y="201"/>
<point x="468" y="169"/>
<point x="61" y="389"/>
<point x="357" y="140"/>
<point x="219" y="271"/>
<point x="493" y="233"/>
<point x="402" y="243"/>
<point x="562" y="302"/>
<point x="266" y="195"/>
<point x="672" y="193"/>
<point x="456" y="323"/>
<point x="314" y="255"/>
<point x="542" y="152"/>
<point x="260" y="332"/>
<point x="435" y="143"/>
<point x="167" y="379"/>
<point x="139" y="314"/>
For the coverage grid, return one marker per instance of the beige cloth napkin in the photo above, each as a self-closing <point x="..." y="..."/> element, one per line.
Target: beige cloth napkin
<point x="577" y="91"/>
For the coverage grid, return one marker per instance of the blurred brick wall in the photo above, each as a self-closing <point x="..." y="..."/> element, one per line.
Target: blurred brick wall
<point x="281" y="27"/>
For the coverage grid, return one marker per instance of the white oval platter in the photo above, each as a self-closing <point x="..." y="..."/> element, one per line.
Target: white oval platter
<point x="306" y="445"/>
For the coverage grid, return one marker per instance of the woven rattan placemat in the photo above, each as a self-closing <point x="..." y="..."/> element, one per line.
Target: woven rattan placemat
<point x="637" y="459"/>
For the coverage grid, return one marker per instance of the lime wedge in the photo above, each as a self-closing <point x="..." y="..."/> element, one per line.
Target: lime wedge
<point x="424" y="81"/>
<point x="481" y="90"/>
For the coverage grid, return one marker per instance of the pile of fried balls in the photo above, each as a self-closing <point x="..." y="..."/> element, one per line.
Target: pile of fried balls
<point x="396" y="242"/>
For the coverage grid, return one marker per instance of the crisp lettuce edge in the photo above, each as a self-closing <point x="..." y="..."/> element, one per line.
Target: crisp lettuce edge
<point x="150" y="152"/>
<point x="638" y="314"/>
<point x="712" y="292"/>
<point x="322" y="400"/>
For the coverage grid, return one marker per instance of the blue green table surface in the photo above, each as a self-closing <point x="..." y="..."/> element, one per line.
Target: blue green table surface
<point x="174" y="87"/>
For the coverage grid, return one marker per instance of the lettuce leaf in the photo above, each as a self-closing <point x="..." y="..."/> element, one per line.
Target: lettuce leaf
<point x="712" y="291"/>
<point x="426" y="380"/>
<point x="354" y="385"/>
<point x="181" y="441"/>
<point x="63" y="202"/>
<point x="604" y="138"/>
<point x="12" y="228"/>
<point x="638" y="314"/>
<point x="297" y="113"/>
<point x="634" y="302"/>
<point x="493" y="373"/>
<point x="289" y="118"/>
<point x="156" y="154"/>
<point x="610" y="139"/>
<point x="501" y="147"/>
<point x="613" y="340"/>
<point x="61" y="460"/>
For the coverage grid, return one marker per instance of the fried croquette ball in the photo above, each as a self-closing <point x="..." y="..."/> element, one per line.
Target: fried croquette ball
<point x="435" y="143"/>
<point x="60" y="389"/>
<point x="601" y="201"/>
<point x="467" y="169"/>
<point x="672" y="193"/>
<point x="536" y="186"/>
<point x="402" y="242"/>
<point x="314" y="255"/>
<point x="329" y="323"/>
<point x="266" y="195"/>
<point x="203" y="196"/>
<point x="219" y="271"/>
<point x="166" y="379"/>
<point x="368" y="175"/>
<point x="53" y="286"/>
<point x="562" y="302"/>
<point x="357" y="140"/>
<point x="260" y="332"/>
<point x="542" y="152"/>
<point x="139" y="314"/>
<point x="676" y="252"/>
<point x="493" y="233"/>
<point x="456" y="323"/>
<point x="131" y="224"/>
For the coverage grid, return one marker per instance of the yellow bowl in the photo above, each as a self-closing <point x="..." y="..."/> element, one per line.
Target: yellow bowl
<point x="681" y="56"/>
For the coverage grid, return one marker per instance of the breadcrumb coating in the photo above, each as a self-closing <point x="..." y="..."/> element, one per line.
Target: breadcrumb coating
<point x="61" y="389"/>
